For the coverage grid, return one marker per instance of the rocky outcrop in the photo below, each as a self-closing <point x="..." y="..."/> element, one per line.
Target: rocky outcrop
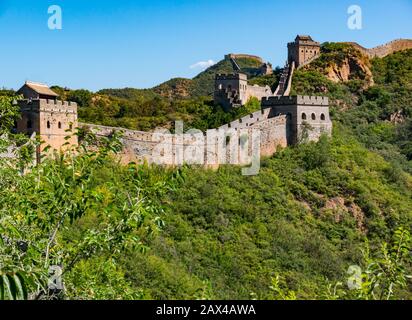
<point x="341" y="208"/>
<point x="349" y="68"/>
<point x="397" y="117"/>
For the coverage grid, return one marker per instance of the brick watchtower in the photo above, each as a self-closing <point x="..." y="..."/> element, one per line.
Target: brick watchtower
<point x="302" y="50"/>
<point x="50" y="118"/>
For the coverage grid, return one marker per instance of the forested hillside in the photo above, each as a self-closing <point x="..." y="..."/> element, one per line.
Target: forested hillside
<point x="291" y="232"/>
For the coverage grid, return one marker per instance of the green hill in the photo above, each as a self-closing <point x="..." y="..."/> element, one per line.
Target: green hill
<point x="203" y="83"/>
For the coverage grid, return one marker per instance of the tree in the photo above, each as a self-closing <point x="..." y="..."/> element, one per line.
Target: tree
<point x="9" y="113"/>
<point x="38" y="209"/>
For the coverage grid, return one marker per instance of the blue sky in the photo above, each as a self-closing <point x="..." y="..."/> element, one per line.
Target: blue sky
<point x="125" y="43"/>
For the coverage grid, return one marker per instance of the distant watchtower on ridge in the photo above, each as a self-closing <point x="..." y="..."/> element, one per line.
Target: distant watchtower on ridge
<point x="303" y="50"/>
<point x="48" y="117"/>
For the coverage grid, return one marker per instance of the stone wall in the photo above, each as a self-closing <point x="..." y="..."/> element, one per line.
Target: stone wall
<point x="291" y="100"/>
<point x="241" y="55"/>
<point x="384" y="50"/>
<point x="282" y="121"/>
<point x="258" y="92"/>
<point x="142" y="146"/>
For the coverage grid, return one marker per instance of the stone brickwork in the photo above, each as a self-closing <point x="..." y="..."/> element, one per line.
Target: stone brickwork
<point x="140" y="146"/>
<point x="51" y="119"/>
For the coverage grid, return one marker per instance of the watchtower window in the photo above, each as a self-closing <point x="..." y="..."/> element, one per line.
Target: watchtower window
<point x="322" y="117"/>
<point x="70" y="126"/>
<point x="29" y="124"/>
<point x="227" y="140"/>
<point x="59" y="125"/>
<point x="313" y="116"/>
<point x="48" y="124"/>
<point x="304" y="116"/>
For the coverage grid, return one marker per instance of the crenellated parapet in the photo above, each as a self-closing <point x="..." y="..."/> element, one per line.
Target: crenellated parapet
<point x="231" y="76"/>
<point x="243" y="56"/>
<point x="295" y="100"/>
<point x="48" y="105"/>
<point x="308" y="116"/>
<point x="248" y="121"/>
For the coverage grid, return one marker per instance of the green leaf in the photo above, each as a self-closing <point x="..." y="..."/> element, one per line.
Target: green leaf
<point x="13" y="287"/>
<point x="7" y="288"/>
<point x="21" y="293"/>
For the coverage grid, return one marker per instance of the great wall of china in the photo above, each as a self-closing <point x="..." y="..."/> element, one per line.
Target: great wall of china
<point x="282" y="120"/>
<point x="162" y="147"/>
<point x="384" y="50"/>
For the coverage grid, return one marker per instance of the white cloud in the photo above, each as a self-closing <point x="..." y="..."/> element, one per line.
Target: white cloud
<point x="202" y="64"/>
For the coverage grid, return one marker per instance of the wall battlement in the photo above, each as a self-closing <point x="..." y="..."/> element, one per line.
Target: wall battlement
<point x="48" y="105"/>
<point x="231" y="76"/>
<point x="295" y="100"/>
<point x="233" y="90"/>
<point x="241" y="55"/>
<point x="249" y="120"/>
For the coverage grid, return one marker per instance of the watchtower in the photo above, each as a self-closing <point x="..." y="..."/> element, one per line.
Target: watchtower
<point x="230" y="90"/>
<point x="50" y="118"/>
<point x="307" y="116"/>
<point x="302" y="50"/>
